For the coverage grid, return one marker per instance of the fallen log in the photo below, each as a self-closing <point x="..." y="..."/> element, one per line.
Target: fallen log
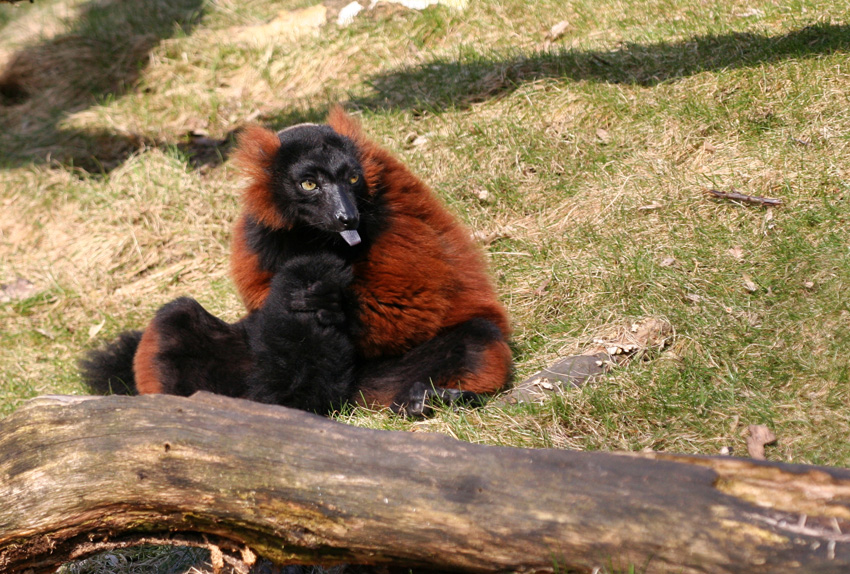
<point x="79" y="475"/>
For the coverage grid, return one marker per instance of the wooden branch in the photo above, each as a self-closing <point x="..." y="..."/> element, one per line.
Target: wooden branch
<point x="735" y="196"/>
<point x="78" y="476"/>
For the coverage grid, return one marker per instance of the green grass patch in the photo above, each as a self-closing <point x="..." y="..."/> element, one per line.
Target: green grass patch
<point x="551" y="148"/>
<point x="580" y="161"/>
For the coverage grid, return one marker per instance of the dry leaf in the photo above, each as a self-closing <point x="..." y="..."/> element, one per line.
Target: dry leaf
<point x="602" y="135"/>
<point x="749" y="284"/>
<point x="486" y="238"/>
<point x="759" y="437"/>
<point x="693" y="297"/>
<point x="768" y="222"/>
<point x="668" y="262"/>
<point x="750" y="13"/>
<point x="736" y="252"/>
<point x="651" y="207"/>
<point x="95" y="329"/>
<point x="809" y="284"/>
<point x="45" y="333"/>
<point x="557" y="30"/>
<point x="542" y="288"/>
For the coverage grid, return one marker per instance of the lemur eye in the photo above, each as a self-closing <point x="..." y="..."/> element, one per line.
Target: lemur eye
<point x="308" y="185"/>
<point x="354" y="179"/>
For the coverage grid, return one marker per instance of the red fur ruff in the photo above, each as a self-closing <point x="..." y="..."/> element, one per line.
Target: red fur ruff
<point x="424" y="273"/>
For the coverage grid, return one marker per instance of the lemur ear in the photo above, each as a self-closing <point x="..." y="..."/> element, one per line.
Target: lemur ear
<point x="345" y="125"/>
<point x="255" y="151"/>
<point x="377" y="164"/>
<point x="254" y="155"/>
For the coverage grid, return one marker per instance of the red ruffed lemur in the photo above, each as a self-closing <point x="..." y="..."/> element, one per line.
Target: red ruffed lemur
<point x="360" y="287"/>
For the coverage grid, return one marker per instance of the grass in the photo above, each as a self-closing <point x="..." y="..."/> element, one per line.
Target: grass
<point x="583" y="159"/>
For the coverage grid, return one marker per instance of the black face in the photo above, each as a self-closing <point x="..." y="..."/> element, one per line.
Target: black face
<point x="318" y="178"/>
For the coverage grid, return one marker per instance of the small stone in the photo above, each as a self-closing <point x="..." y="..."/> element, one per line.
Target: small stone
<point x="348" y="13"/>
<point x="19" y="289"/>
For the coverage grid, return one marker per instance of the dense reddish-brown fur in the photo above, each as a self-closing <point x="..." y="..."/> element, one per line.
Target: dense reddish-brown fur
<point x="252" y="283"/>
<point x="144" y="363"/>
<point x="257" y="147"/>
<point x="370" y="397"/>
<point x="494" y="364"/>
<point x="423" y="274"/>
<point x="444" y="271"/>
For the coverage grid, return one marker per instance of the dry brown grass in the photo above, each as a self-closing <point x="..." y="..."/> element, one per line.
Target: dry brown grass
<point x="580" y="164"/>
<point x="580" y="173"/>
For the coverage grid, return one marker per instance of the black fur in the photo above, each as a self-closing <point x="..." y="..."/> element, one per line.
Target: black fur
<point x="303" y="355"/>
<point x="294" y="351"/>
<point x="109" y="371"/>
<point x="198" y="351"/>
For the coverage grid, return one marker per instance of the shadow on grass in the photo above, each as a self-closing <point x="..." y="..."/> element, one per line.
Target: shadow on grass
<point x="103" y="55"/>
<point x="100" y="57"/>
<point x="443" y="83"/>
<point x="446" y="84"/>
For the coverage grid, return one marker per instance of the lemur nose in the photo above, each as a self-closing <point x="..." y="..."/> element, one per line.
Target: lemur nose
<point x="349" y="220"/>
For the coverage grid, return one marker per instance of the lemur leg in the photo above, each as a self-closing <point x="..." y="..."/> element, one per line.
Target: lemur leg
<point x="186" y="349"/>
<point x="458" y="365"/>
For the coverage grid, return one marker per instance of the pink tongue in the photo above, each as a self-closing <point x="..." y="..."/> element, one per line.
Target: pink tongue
<point x="351" y="237"/>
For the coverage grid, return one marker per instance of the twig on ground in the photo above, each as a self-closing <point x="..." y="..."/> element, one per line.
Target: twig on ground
<point x="735" y="196"/>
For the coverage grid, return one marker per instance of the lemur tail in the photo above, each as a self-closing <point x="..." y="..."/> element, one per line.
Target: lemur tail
<point x="109" y="371"/>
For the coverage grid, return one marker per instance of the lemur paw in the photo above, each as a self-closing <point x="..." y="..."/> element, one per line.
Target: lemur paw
<point x="422" y="399"/>
<point x="313" y="284"/>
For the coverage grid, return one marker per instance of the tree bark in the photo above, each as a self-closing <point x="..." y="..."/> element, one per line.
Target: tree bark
<point x="78" y="476"/>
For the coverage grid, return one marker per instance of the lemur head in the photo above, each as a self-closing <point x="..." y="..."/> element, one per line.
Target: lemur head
<point x="308" y="176"/>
